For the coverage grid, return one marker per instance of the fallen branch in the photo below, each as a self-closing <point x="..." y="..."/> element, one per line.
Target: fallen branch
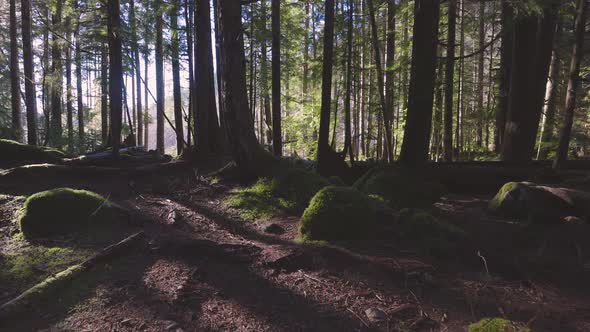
<point x="55" y="282"/>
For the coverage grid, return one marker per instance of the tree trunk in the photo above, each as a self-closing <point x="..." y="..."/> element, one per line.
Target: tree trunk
<point x="15" y="76"/>
<point x="104" y="66"/>
<point x="449" y="82"/>
<point x="390" y="72"/>
<point x="56" y="79"/>
<point x="264" y="74"/>
<point x="160" y="94"/>
<point x="79" y="97"/>
<point x="208" y="135"/>
<point x="46" y="86"/>
<point x="324" y="149"/>
<point x="419" y="122"/>
<point x="69" y="96"/>
<point x="146" y="61"/>
<point x="116" y="74"/>
<point x="29" y="69"/>
<point x="480" y="79"/>
<point x="347" y="108"/>
<point x="385" y="113"/>
<point x="137" y="67"/>
<point x="572" y="86"/>
<point x="277" y="139"/>
<point x="248" y="154"/>
<point x="188" y="17"/>
<point x="550" y="108"/>
<point x="179" y="123"/>
<point x="504" y="73"/>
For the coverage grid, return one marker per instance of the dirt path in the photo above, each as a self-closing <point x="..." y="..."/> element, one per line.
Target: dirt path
<point x="205" y="270"/>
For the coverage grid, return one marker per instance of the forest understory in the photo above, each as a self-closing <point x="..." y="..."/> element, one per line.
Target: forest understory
<point x="201" y="267"/>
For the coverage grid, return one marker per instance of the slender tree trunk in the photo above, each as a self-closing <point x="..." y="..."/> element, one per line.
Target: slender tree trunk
<point x="160" y="94"/>
<point x="104" y="65"/>
<point x="56" y="79"/>
<point x="79" y="96"/>
<point x="29" y="69"/>
<point x="504" y="72"/>
<point x="348" y="93"/>
<point x="306" y="45"/>
<point x="248" y="154"/>
<point x="116" y="74"/>
<point x="419" y="123"/>
<point x="323" y="143"/>
<point x="572" y="86"/>
<point x="385" y="112"/>
<point x="137" y="67"/>
<point x="550" y="108"/>
<point x="390" y="72"/>
<point x="449" y="82"/>
<point x="45" y="84"/>
<point x="480" y="76"/>
<point x="69" y="95"/>
<point x="146" y="61"/>
<point x="179" y="123"/>
<point x="15" y="76"/>
<point x="277" y="139"/>
<point x="461" y="83"/>
<point x="264" y="73"/>
<point x="188" y="17"/>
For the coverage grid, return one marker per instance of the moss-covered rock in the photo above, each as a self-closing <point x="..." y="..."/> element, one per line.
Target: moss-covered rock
<point x="298" y="186"/>
<point x="12" y="151"/>
<point x="64" y="210"/>
<point x="426" y="232"/>
<point x="337" y="213"/>
<point x="401" y="188"/>
<point x="257" y="201"/>
<point x="496" y="203"/>
<point x="497" y="325"/>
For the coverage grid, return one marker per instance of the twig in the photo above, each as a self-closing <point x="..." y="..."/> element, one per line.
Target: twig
<point x="313" y="278"/>
<point x="485" y="263"/>
<point x="359" y="317"/>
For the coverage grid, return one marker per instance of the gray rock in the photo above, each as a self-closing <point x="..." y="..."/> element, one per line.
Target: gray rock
<point x="375" y="315"/>
<point x="273" y="229"/>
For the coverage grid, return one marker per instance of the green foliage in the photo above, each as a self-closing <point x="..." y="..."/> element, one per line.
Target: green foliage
<point x="428" y="233"/>
<point x="401" y="188"/>
<point x="63" y="211"/>
<point x="15" y="151"/>
<point x="497" y="325"/>
<point x="337" y="213"/>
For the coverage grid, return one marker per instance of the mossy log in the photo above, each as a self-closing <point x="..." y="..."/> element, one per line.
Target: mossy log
<point x="52" y="284"/>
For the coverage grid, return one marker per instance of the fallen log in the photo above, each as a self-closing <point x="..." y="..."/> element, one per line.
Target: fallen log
<point x="53" y="283"/>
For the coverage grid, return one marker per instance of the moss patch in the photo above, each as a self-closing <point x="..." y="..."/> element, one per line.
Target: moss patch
<point x="337" y="213"/>
<point x="400" y="188"/>
<point x="15" y="151"/>
<point x="289" y="191"/>
<point x="496" y="203"/>
<point x="64" y="210"/>
<point x="427" y="233"/>
<point x="497" y="325"/>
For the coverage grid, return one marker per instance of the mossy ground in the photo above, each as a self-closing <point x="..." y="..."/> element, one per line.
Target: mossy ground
<point x="337" y="213"/>
<point x="289" y="191"/>
<point x="496" y="325"/>
<point x="15" y="151"/>
<point x="64" y="211"/>
<point x="400" y="188"/>
<point x="427" y="233"/>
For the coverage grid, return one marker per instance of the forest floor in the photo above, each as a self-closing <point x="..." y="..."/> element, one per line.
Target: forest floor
<point x="202" y="268"/>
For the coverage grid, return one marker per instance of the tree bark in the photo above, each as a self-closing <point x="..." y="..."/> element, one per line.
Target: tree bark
<point x="160" y="94"/>
<point x="14" y="76"/>
<point x="137" y="67"/>
<point x="390" y="72"/>
<point x="104" y="66"/>
<point x="419" y="123"/>
<point x="347" y="108"/>
<point x="550" y="108"/>
<point x="264" y="74"/>
<point x="29" y="70"/>
<point x="69" y="96"/>
<point x="56" y="79"/>
<point x="115" y="74"/>
<point x="480" y="79"/>
<point x="572" y="86"/>
<point x="504" y="73"/>
<point x="79" y="97"/>
<point x="449" y="82"/>
<point x="277" y="139"/>
<point x="179" y="123"/>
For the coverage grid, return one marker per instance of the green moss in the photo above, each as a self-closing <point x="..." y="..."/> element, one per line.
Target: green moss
<point x="15" y="151"/>
<point x="428" y="233"/>
<point x="337" y="213"/>
<point x="496" y="202"/>
<point x="298" y="186"/>
<point x="27" y="265"/>
<point x="257" y="201"/>
<point x="400" y="188"/>
<point x="63" y="211"/>
<point x="497" y="325"/>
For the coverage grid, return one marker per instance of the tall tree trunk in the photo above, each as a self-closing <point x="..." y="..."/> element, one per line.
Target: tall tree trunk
<point x="480" y="79"/>
<point x="550" y="108"/>
<point x="45" y="84"/>
<point x="69" y="95"/>
<point x="160" y="94"/>
<point x="277" y="139"/>
<point x="264" y="74"/>
<point x="348" y="81"/>
<point x="572" y="86"/>
<point x="385" y="112"/>
<point x="449" y="82"/>
<point x="79" y="96"/>
<point x="29" y="69"/>
<point x="146" y="61"/>
<point x="419" y="122"/>
<point x="137" y="70"/>
<point x="390" y="72"/>
<point x="104" y="65"/>
<point x="324" y="149"/>
<point x="116" y="74"/>
<point x="208" y="135"/>
<point x="461" y="83"/>
<point x="179" y="123"/>
<point x="305" y="79"/>
<point x="188" y="17"/>
<point x="248" y="154"/>
<point x="533" y="40"/>
<point x="56" y="79"/>
<point x="14" y="76"/>
<point x="504" y="72"/>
